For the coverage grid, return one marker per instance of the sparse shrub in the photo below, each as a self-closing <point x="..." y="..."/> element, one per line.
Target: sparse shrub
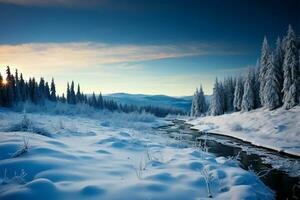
<point x="18" y="179"/>
<point x="24" y="148"/>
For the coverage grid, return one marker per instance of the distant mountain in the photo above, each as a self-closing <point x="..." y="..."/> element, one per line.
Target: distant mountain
<point x="183" y="103"/>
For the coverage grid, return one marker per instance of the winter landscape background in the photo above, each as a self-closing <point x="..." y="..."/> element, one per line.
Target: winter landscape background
<point x="183" y="103"/>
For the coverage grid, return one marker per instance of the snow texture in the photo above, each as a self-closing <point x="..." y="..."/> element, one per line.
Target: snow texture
<point x="111" y="156"/>
<point x="278" y="129"/>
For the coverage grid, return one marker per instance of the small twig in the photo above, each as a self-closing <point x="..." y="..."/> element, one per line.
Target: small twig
<point x="23" y="149"/>
<point x="207" y="179"/>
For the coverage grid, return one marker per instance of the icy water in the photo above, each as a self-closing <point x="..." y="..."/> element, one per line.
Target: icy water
<point x="279" y="172"/>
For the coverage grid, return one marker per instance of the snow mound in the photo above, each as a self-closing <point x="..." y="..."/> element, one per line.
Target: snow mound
<point x="119" y="161"/>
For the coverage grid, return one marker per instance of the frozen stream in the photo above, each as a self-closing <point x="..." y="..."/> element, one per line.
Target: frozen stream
<point x="279" y="172"/>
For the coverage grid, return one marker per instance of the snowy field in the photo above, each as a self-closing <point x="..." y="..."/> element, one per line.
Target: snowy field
<point x="278" y="129"/>
<point x="110" y="156"/>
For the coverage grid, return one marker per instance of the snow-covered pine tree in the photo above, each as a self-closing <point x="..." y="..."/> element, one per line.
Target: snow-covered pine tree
<point x="278" y="62"/>
<point x="9" y="88"/>
<point x="23" y="89"/>
<point x="68" y="93"/>
<point x="78" y="95"/>
<point x="238" y="94"/>
<point x="256" y="84"/>
<point x="265" y="53"/>
<point x="198" y="106"/>
<point x="100" y="101"/>
<point x="47" y="91"/>
<point x="42" y="91"/>
<point x="17" y="87"/>
<point x="290" y="70"/>
<point x="216" y="101"/>
<point x="222" y="96"/>
<point x="63" y="98"/>
<point x="228" y="89"/>
<point x="52" y="91"/>
<point x="93" y="100"/>
<point x="272" y="87"/>
<point x="248" y="96"/>
<point x="201" y="101"/>
<point x="194" y="102"/>
<point x="72" y="94"/>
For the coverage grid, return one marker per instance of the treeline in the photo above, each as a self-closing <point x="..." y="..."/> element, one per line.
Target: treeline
<point x="274" y="82"/>
<point x="15" y="90"/>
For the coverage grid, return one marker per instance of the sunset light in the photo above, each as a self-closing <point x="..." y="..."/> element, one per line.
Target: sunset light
<point x="4" y="82"/>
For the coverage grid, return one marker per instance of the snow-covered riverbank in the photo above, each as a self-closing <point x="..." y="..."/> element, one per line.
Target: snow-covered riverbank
<point x="278" y="129"/>
<point x="111" y="156"/>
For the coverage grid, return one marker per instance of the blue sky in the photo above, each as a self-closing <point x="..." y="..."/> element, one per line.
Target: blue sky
<point x="153" y="47"/>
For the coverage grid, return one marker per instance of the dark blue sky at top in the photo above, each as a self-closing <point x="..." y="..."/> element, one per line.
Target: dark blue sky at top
<point x="239" y="25"/>
<point x="244" y="22"/>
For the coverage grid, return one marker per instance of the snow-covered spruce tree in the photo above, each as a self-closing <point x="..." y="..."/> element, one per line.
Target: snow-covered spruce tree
<point x="23" y="89"/>
<point x="278" y="62"/>
<point x="194" y="102"/>
<point x="290" y="71"/>
<point x="228" y="85"/>
<point x="216" y="101"/>
<point x="9" y="89"/>
<point x="93" y="100"/>
<point x="100" y="101"/>
<point x="265" y="53"/>
<point x="256" y="85"/>
<point x="42" y="91"/>
<point x="78" y="95"/>
<point x="52" y="91"/>
<point x="68" y="93"/>
<point x="272" y="87"/>
<point x="72" y="93"/>
<point x="198" y="106"/>
<point x="248" y="96"/>
<point x="201" y="102"/>
<point x="238" y="94"/>
<point x="17" y="87"/>
<point x="222" y="96"/>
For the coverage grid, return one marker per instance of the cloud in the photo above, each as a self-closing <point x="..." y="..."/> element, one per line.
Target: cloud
<point x="79" y="55"/>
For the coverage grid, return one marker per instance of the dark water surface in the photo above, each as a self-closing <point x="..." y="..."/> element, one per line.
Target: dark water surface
<point x="276" y="170"/>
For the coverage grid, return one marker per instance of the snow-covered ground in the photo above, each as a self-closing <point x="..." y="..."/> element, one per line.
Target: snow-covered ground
<point x="110" y="156"/>
<point x="278" y="129"/>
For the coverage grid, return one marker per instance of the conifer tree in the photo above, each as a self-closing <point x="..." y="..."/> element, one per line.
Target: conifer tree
<point x="68" y="94"/>
<point x="42" y="91"/>
<point x="248" y="95"/>
<point x="93" y="100"/>
<point x="272" y="87"/>
<point x="256" y="86"/>
<point x="216" y="101"/>
<point x="278" y="62"/>
<point x="9" y="89"/>
<point x="238" y="94"/>
<point x="290" y="71"/>
<point x="17" y="87"/>
<point x="23" y="88"/>
<point x="265" y="53"/>
<point x="78" y="95"/>
<point x="52" y="91"/>
<point x="194" y="103"/>
<point x="100" y="101"/>
<point x="72" y="93"/>
<point x="47" y="91"/>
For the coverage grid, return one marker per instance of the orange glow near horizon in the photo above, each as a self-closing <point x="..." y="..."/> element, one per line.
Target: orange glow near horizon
<point x="4" y="81"/>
